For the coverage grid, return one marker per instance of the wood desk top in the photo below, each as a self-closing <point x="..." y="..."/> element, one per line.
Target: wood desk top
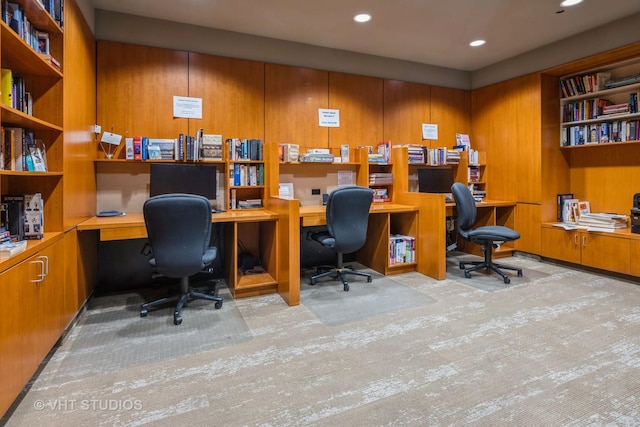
<point x="315" y="215"/>
<point x="131" y="226"/>
<point x="489" y="203"/>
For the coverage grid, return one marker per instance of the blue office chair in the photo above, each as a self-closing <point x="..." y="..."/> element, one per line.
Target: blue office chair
<point x="488" y="236"/>
<point x="347" y="215"/>
<point x="179" y="230"/>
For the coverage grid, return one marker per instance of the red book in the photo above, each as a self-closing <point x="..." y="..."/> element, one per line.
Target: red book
<point x="137" y="148"/>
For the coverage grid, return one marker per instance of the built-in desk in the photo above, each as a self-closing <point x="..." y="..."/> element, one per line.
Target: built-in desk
<point x="257" y="229"/>
<point x="385" y="220"/>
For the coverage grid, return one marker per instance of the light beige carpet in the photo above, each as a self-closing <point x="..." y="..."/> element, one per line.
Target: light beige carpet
<point x="558" y="347"/>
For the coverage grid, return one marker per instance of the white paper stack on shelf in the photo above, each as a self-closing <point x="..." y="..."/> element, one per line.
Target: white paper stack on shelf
<point x="603" y="220"/>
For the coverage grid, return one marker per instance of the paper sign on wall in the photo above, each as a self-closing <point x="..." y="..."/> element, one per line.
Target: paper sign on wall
<point x="187" y="107"/>
<point x="429" y="131"/>
<point x="328" y="118"/>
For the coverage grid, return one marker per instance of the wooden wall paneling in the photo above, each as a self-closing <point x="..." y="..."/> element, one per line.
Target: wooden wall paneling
<point x="554" y="166"/>
<point x="406" y="107"/>
<point x="360" y="102"/>
<point x="293" y="96"/>
<point x="451" y="111"/>
<point x="506" y="123"/>
<point x="232" y="92"/>
<point x="527" y="223"/>
<point x="80" y="144"/>
<point x="136" y="86"/>
<point x="606" y="176"/>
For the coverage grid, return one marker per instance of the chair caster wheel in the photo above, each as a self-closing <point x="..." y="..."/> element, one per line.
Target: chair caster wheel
<point x="143" y="312"/>
<point x="312" y="282"/>
<point x="218" y="304"/>
<point x="369" y="279"/>
<point x="507" y="280"/>
<point x="346" y="287"/>
<point x="467" y="275"/>
<point x="520" y="273"/>
<point x="177" y="320"/>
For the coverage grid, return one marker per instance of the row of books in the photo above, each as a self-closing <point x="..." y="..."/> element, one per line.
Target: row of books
<point x="583" y="84"/>
<point x="380" y="195"/>
<point x="22" y="217"/>
<point x="473" y="174"/>
<point x="201" y="147"/>
<point x="246" y="174"/>
<point x="613" y="131"/>
<point x="20" y="151"/>
<point x="598" y="108"/>
<point x="402" y="249"/>
<point x="442" y="156"/>
<point x="14" y="93"/>
<point x="16" y="18"/>
<point x="245" y="149"/>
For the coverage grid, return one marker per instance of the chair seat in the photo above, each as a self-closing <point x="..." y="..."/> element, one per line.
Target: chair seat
<point x="493" y="233"/>
<point x="325" y="239"/>
<point x="207" y="259"/>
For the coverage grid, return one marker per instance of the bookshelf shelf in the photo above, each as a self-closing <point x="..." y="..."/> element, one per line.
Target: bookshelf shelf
<point x="597" y="113"/>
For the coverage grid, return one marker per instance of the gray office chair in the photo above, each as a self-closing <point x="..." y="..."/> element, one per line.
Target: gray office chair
<point x="488" y="236"/>
<point x="179" y="230"/>
<point x="347" y="215"/>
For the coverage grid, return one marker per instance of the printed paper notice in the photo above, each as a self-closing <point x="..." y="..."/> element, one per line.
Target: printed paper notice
<point x="346" y="178"/>
<point x="189" y="108"/>
<point x="111" y="138"/>
<point x="329" y="118"/>
<point x="429" y="131"/>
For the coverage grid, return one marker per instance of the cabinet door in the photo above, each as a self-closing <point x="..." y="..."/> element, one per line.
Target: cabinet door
<point x="12" y="306"/>
<point x="606" y="252"/>
<point x="561" y="244"/>
<point x="634" y="250"/>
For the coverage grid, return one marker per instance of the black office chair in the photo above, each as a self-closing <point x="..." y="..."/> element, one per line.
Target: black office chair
<point x="489" y="236"/>
<point x="179" y="230"/>
<point x="347" y="215"/>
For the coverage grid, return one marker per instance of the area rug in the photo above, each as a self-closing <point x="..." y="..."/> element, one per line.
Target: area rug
<point x="111" y="335"/>
<point x="333" y="306"/>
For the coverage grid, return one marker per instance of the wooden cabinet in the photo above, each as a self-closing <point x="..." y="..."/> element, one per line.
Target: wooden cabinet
<point x="606" y="251"/>
<point x="33" y="316"/>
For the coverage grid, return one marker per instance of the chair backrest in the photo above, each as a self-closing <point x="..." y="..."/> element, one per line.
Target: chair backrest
<point x="348" y="216"/>
<point x="179" y="229"/>
<point x="465" y="208"/>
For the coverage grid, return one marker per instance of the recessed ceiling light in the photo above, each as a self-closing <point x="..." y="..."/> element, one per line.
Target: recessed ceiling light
<point x="476" y="43"/>
<point x="570" y="3"/>
<point x="362" y="17"/>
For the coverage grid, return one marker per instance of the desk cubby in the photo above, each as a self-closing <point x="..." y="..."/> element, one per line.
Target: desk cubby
<point x="492" y="213"/>
<point x="376" y="251"/>
<point x="259" y="239"/>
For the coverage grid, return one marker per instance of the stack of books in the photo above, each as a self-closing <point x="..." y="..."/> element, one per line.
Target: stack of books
<point x="603" y="220"/>
<point x="380" y="178"/>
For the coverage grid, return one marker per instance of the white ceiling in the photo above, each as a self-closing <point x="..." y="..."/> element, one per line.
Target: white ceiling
<point x="434" y="32"/>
